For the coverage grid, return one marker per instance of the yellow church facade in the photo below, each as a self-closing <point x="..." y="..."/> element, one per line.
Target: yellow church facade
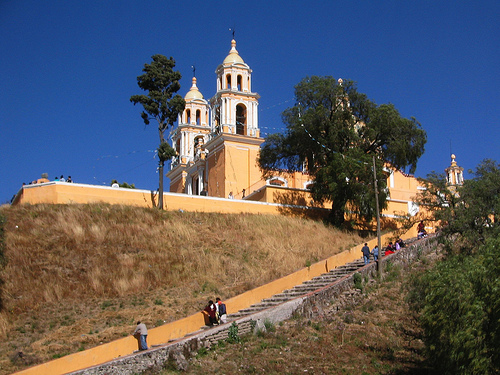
<point x="217" y="142"/>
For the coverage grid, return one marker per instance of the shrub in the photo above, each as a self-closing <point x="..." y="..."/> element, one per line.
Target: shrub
<point x="459" y="302"/>
<point x="358" y="281"/>
<point x="233" y="336"/>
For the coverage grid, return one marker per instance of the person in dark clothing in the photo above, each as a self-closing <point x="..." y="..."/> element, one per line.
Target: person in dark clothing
<point x="366" y="253"/>
<point x="211" y="311"/>
<point x="221" y="310"/>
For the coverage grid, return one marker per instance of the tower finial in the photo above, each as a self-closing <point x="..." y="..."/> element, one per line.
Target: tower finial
<point x="194" y="70"/>
<point x="233" y="30"/>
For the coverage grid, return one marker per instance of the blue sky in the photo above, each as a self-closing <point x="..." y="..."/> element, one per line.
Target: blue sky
<point x="68" y="69"/>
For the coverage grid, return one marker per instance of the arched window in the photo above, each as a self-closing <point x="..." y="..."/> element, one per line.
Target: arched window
<point x="308" y="185"/>
<point x="239" y="82"/>
<point x="241" y="119"/>
<point x="188" y="116"/>
<point x="228" y="82"/>
<point x="277" y="181"/>
<point x="198" y="117"/>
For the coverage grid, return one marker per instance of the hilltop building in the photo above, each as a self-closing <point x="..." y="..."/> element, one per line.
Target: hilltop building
<point x="218" y="140"/>
<point x="217" y="143"/>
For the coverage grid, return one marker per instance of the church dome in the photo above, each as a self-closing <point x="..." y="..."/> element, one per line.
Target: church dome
<point x="193" y="93"/>
<point x="234" y="56"/>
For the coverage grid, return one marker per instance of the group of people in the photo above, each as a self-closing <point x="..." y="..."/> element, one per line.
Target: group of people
<point x="366" y="253"/>
<point x="46" y="179"/>
<point x="393" y="247"/>
<point x="62" y="179"/>
<point x="231" y="195"/>
<point x="390" y="249"/>
<point x="216" y="312"/>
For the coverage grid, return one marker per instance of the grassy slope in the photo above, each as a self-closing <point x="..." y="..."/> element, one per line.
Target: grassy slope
<point x="80" y="275"/>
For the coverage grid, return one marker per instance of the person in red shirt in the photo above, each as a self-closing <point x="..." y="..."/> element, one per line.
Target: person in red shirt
<point x="211" y="311"/>
<point x="389" y="249"/>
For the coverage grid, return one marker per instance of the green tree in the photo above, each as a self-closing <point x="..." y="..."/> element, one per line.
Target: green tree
<point x="459" y="300"/>
<point x="459" y="306"/>
<point x="468" y="213"/>
<point x="160" y="104"/>
<point x="332" y="133"/>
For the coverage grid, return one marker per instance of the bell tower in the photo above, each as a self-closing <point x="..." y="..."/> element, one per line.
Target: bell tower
<point x="234" y="104"/>
<point x="235" y="144"/>
<point x="187" y="174"/>
<point x="454" y="173"/>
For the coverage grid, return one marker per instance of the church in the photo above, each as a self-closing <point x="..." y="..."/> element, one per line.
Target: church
<point x="218" y="140"/>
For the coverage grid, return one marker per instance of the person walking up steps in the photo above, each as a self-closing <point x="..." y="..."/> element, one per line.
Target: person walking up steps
<point x="366" y="253"/>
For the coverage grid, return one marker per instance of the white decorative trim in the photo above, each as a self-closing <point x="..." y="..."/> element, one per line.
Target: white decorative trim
<point x="268" y="181"/>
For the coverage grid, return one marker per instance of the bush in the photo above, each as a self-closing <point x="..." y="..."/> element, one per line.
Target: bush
<point x="459" y="302"/>
<point x="358" y="281"/>
<point x="233" y="336"/>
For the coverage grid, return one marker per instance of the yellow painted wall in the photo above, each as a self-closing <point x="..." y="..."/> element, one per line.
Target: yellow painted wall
<point x="216" y="170"/>
<point x="66" y="193"/>
<point x="177" y="186"/>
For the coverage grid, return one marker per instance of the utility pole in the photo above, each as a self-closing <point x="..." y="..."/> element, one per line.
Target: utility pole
<point x="379" y="262"/>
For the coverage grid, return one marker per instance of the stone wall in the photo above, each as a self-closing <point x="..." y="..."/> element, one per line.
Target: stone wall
<point x="309" y="306"/>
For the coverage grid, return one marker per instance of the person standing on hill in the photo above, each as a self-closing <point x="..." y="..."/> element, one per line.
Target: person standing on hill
<point x="366" y="253"/>
<point x="141" y="334"/>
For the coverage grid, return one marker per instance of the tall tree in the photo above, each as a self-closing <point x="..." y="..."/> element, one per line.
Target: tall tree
<point x="332" y="132"/>
<point x="161" y="82"/>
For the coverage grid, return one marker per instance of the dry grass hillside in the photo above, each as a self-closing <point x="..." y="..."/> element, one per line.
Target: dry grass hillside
<point x="76" y="276"/>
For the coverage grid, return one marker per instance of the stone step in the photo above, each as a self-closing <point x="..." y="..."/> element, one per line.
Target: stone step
<point x="306" y="287"/>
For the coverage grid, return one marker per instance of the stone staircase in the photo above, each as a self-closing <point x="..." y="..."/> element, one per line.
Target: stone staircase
<point x="306" y="287"/>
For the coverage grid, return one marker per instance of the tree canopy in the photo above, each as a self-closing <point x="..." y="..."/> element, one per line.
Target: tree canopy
<point x="332" y="133"/>
<point x="161" y="82"/>
<point x="459" y="299"/>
